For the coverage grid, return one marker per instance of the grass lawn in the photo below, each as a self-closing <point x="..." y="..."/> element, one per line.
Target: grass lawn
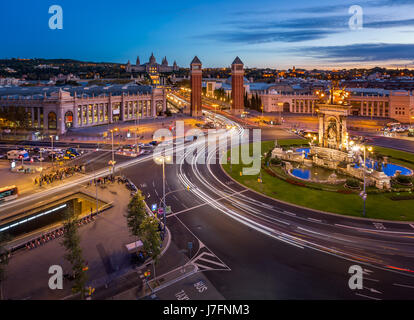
<point x="396" y="156"/>
<point x="379" y="206"/>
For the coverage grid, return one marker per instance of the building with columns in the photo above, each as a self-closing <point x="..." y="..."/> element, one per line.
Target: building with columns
<point x="237" y="86"/>
<point x="196" y="74"/>
<point x="365" y="102"/>
<point x="151" y="66"/>
<point x="54" y="109"/>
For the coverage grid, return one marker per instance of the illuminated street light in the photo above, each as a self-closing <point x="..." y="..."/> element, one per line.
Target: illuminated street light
<point x="112" y="163"/>
<point x="162" y="160"/>
<point x="363" y="148"/>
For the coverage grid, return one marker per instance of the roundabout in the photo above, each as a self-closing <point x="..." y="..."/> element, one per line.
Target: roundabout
<point x="229" y="202"/>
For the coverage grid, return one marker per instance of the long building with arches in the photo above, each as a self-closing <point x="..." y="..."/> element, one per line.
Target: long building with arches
<point x="58" y="109"/>
<point x="395" y="104"/>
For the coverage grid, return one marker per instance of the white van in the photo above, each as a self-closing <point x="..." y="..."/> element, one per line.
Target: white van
<point x="18" y="155"/>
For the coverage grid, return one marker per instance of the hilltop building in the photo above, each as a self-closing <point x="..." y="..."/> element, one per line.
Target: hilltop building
<point x="152" y="66"/>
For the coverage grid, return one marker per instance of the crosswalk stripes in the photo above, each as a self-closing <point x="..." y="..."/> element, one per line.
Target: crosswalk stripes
<point x="207" y="261"/>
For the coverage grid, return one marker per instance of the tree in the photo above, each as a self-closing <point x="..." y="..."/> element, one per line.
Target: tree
<point x="151" y="239"/>
<point x="71" y="242"/>
<point x="136" y="214"/>
<point x="4" y="260"/>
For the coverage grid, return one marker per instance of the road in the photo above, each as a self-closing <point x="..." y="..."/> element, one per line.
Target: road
<point x="252" y="247"/>
<point x="297" y="253"/>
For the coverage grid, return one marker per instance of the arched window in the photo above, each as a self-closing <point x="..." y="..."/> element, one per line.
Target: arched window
<point x="52" y="121"/>
<point x="69" y="119"/>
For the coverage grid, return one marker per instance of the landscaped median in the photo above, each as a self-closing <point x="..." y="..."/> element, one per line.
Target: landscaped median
<point x="276" y="183"/>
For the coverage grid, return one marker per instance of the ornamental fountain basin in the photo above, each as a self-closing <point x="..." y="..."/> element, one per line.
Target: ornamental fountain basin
<point x="317" y="174"/>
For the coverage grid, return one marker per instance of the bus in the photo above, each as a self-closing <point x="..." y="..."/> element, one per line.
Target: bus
<point x="18" y="155"/>
<point x="8" y="193"/>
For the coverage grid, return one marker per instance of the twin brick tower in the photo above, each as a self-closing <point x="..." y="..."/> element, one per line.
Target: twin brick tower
<point x="237" y="90"/>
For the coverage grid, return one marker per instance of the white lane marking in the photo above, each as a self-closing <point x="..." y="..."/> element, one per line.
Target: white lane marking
<point x="315" y="220"/>
<point x="288" y="242"/>
<point x="379" y="226"/>
<point x="212" y="262"/>
<point x="411" y="225"/>
<point x="373" y="290"/>
<point x="375" y="280"/>
<point x="403" y="285"/>
<point x="289" y="213"/>
<point x="372" y="230"/>
<point x="362" y="295"/>
<point x="310" y="231"/>
<point x="207" y="203"/>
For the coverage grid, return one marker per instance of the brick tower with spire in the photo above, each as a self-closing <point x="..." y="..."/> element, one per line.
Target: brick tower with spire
<point x="196" y="78"/>
<point x="237" y="86"/>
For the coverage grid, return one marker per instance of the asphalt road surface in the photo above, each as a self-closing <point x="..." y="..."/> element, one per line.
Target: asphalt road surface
<point x="276" y="250"/>
<point x="248" y="246"/>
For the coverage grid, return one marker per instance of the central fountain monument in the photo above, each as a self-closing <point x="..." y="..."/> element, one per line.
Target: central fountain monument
<point x="332" y="116"/>
<point x="333" y="135"/>
<point x="332" y="149"/>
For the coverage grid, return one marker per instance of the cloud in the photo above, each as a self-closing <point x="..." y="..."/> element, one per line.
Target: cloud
<point x="391" y="3"/>
<point x="325" y="22"/>
<point x="361" y="52"/>
<point x="345" y="6"/>
<point x="255" y="37"/>
<point x="389" y="24"/>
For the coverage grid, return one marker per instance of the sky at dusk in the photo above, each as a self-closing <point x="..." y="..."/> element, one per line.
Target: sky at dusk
<point x="277" y="34"/>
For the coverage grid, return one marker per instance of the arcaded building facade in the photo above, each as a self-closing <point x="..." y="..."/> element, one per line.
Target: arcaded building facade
<point x="398" y="105"/>
<point x="52" y="109"/>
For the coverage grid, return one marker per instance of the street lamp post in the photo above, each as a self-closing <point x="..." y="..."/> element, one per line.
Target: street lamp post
<point x="136" y="128"/>
<point x="113" y="155"/>
<point x="262" y="113"/>
<point x="53" y="153"/>
<point x="215" y="112"/>
<point x="363" y="193"/>
<point x="162" y="160"/>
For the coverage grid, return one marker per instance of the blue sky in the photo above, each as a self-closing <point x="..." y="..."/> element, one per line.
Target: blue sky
<point x="276" y="33"/>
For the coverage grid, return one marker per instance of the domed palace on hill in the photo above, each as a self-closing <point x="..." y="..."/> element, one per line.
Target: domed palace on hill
<point x="151" y="67"/>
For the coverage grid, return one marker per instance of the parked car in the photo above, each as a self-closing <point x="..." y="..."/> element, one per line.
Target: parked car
<point x="69" y="156"/>
<point x="55" y="156"/>
<point x="38" y="158"/>
<point x="73" y="151"/>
